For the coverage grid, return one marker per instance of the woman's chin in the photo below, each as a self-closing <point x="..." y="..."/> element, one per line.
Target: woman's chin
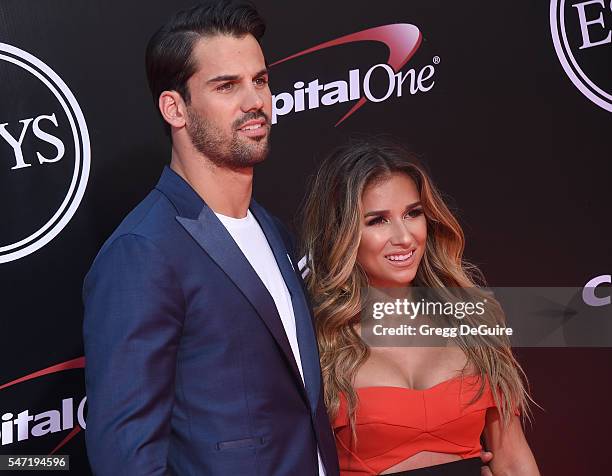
<point x="396" y="282"/>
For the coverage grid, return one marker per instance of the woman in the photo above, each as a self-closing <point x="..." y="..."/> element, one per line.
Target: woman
<point x="373" y="219"/>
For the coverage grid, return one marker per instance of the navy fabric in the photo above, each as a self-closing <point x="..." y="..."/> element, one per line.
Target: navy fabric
<point x="188" y="368"/>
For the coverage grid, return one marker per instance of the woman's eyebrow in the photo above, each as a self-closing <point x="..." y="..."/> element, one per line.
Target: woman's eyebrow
<point x="384" y="212"/>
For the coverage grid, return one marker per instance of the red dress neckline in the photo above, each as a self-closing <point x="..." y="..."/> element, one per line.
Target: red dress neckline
<point x="395" y="423"/>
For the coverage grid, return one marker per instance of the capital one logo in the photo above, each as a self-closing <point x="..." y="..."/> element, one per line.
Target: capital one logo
<point x="590" y="297"/>
<point x="402" y="41"/>
<point x="582" y="36"/>
<point x="69" y="414"/>
<point x="44" y="154"/>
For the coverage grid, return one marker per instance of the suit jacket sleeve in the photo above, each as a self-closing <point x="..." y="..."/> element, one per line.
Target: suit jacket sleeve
<point x="134" y="310"/>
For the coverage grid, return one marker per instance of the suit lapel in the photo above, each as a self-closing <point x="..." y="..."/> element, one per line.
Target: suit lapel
<point x="208" y="231"/>
<point x="305" y="332"/>
<point x="212" y="236"/>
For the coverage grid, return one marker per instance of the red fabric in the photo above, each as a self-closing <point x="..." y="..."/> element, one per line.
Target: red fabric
<point x="395" y="423"/>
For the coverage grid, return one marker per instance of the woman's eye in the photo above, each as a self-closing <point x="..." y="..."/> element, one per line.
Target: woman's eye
<point x="375" y="221"/>
<point x="415" y="212"/>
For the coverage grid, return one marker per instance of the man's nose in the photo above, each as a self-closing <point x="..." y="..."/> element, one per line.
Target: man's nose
<point x="253" y="100"/>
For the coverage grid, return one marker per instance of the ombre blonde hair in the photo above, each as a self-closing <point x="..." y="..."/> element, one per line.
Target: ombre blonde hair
<point x="331" y="226"/>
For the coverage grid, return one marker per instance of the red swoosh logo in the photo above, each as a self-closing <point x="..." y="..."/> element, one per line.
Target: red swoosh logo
<point x="402" y="40"/>
<point x="78" y="363"/>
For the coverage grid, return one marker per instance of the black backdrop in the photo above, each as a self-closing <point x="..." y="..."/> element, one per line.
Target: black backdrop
<point x="522" y="154"/>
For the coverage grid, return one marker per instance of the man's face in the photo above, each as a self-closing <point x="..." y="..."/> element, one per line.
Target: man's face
<point x="228" y="118"/>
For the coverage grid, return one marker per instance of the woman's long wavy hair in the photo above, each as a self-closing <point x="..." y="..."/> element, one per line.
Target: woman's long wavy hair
<point x="331" y="222"/>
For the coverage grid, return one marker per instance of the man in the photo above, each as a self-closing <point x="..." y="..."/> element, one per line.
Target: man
<point x="201" y="353"/>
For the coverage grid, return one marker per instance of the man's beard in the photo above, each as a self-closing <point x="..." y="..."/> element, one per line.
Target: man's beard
<point x="237" y="152"/>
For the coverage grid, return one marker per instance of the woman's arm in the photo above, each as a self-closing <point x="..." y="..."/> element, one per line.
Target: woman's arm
<point x="513" y="457"/>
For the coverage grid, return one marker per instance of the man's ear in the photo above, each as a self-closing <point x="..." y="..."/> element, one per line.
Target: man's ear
<point x="172" y="108"/>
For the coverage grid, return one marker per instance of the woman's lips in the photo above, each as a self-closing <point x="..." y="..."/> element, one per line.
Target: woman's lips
<point x="401" y="260"/>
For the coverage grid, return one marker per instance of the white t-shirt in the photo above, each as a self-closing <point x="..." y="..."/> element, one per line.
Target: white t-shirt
<point x="250" y="238"/>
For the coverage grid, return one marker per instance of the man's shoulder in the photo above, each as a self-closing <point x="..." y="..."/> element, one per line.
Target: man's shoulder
<point x="152" y="220"/>
<point x="151" y="216"/>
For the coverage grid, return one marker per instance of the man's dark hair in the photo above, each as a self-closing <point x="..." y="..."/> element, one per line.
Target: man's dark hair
<point x="169" y="60"/>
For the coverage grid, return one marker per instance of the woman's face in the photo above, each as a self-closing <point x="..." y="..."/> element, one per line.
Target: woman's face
<point x="393" y="231"/>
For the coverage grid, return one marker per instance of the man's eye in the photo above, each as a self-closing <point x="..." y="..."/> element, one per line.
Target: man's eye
<point x="225" y="87"/>
<point x="415" y="212"/>
<point x="261" y="81"/>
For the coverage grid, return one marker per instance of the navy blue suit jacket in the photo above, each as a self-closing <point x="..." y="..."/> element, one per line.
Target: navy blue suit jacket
<point x="188" y="367"/>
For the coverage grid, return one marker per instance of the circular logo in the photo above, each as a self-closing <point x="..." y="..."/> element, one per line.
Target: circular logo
<point x="45" y="154"/>
<point x="582" y="35"/>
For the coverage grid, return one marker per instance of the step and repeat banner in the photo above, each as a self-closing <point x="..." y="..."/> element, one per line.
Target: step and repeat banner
<point x="509" y="106"/>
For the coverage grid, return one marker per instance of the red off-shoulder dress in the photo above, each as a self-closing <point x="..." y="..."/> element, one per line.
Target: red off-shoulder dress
<point x="395" y="423"/>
